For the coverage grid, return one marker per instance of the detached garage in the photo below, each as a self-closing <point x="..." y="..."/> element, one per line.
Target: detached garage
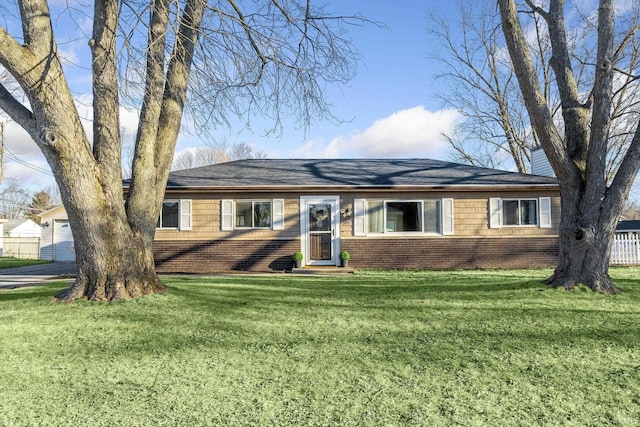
<point x="57" y="239"/>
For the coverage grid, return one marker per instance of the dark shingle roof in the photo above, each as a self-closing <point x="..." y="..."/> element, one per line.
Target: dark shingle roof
<point x="354" y="173"/>
<point x="628" y="225"/>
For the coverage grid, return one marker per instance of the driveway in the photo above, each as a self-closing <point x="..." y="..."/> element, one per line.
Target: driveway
<point x="18" y="277"/>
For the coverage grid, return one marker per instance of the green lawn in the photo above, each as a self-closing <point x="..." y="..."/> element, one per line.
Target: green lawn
<point x="9" y="262"/>
<point x="393" y="348"/>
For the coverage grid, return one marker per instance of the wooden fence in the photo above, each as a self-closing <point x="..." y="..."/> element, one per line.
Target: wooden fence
<point x="21" y="247"/>
<point x="625" y="249"/>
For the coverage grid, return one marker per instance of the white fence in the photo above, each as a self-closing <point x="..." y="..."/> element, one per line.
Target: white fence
<point x="625" y="249"/>
<point x="21" y="247"/>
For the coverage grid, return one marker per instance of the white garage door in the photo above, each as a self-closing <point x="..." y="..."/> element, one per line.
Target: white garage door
<point x="63" y="242"/>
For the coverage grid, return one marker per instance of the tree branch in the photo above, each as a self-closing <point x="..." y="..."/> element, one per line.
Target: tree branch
<point x="106" y="104"/>
<point x="626" y="173"/>
<point x="537" y="9"/>
<point x="601" y="113"/>
<point x="144" y="174"/>
<point x="534" y="97"/>
<point x="175" y="93"/>
<point x="18" y="112"/>
<point x="15" y="58"/>
<point x="247" y="29"/>
<point x="36" y="26"/>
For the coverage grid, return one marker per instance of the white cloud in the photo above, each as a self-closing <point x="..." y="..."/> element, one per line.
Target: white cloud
<point x="23" y="160"/>
<point x="415" y="132"/>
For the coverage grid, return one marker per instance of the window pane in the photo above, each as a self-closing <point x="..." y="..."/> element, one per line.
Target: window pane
<point x="432" y="216"/>
<point x="375" y="216"/>
<point x="404" y="216"/>
<point x="243" y="214"/>
<point x="169" y="215"/>
<point x="262" y="214"/>
<point x="510" y="212"/>
<point x="529" y="212"/>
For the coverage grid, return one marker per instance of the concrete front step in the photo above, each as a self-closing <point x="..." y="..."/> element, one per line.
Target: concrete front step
<point x="328" y="270"/>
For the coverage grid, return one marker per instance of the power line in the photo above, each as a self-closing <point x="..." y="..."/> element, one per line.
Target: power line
<point x="29" y="165"/>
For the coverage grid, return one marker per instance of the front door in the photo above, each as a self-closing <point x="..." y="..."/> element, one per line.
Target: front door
<point x="320" y="219"/>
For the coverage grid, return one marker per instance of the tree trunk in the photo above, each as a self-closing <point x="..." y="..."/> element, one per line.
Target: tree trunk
<point x="113" y="263"/>
<point x="585" y="246"/>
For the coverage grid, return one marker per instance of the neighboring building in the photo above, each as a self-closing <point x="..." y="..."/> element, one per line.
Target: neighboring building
<point x="57" y="239"/>
<point x="628" y="227"/>
<point x="22" y="227"/>
<point x="540" y="163"/>
<point x="251" y="215"/>
<point x="20" y="238"/>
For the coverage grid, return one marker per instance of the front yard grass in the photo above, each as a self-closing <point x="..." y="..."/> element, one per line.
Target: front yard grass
<point x="9" y="262"/>
<point x="378" y="348"/>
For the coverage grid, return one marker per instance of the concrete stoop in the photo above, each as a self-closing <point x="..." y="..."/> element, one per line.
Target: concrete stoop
<point x="328" y="270"/>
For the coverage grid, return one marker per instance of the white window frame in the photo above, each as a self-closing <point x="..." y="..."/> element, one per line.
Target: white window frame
<point x="361" y="218"/>
<point x="384" y="218"/>
<point x="253" y="203"/>
<point x="228" y="214"/>
<point x="520" y="225"/>
<point x="184" y="215"/>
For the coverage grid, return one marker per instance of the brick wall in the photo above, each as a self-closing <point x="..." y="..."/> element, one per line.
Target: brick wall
<point x="213" y="256"/>
<point x="436" y="253"/>
<point x="452" y="253"/>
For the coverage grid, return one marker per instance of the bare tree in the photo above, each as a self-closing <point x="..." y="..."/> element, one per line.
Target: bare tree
<point x="13" y="199"/>
<point x="212" y="155"/>
<point x="54" y="194"/>
<point x="200" y="156"/>
<point x="242" y="150"/>
<point x="482" y="87"/>
<point x="631" y="211"/>
<point x="268" y="57"/>
<point x="496" y="129"/>
<point x="577" y="148"/>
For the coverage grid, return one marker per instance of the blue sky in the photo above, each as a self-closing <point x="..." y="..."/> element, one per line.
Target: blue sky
<point x="390" y="108"/>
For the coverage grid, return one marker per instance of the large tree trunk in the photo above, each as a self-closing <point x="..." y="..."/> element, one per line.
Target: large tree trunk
<point x="590" y="207"/>
<point x="113" y="244"/>
<point x="112" y="266"/>
<point x="585" y="246"/>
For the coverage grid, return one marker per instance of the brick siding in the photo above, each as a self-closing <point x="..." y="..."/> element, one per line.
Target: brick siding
<point x="453" y="253"/>
<point x="224" y="255"/>
<point x="436" y="253"/>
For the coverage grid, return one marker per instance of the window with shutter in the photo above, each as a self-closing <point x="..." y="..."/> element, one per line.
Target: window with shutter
<point x="185" y="215"/>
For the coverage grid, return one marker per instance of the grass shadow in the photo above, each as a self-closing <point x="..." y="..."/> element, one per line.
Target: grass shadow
<point x="44" y="291"/>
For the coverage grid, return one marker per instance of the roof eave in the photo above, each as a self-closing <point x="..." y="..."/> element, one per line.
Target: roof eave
<point x="299" y="188"/>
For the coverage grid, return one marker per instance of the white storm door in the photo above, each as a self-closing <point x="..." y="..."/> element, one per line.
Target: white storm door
<point x="320" y="229"/>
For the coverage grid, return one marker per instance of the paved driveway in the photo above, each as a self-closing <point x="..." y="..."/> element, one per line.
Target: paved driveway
<point x="35" y="274"/>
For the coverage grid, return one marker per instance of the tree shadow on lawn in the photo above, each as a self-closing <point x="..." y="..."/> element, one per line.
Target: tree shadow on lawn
<point x="227" y="317"/>
<point x="337" y="293"/>
<point x="44" y="291"/>
<point x="367" y="284"/>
